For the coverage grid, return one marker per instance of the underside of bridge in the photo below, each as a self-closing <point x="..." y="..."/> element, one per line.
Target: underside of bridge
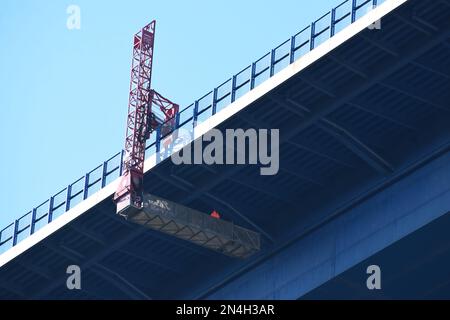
<point x="419" y="262"/>
<point x="364" y="179"/>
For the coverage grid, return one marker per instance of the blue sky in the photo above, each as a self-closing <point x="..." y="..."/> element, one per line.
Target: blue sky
<point x="64" y="93"/>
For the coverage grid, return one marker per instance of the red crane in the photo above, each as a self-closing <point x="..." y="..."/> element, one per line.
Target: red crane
<point x="147" y="110"/>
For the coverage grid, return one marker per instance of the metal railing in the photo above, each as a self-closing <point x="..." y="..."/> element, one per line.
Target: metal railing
<point x="209" y="104"/>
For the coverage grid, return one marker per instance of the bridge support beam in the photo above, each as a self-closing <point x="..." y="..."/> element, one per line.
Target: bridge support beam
<point x="349" y="238"/>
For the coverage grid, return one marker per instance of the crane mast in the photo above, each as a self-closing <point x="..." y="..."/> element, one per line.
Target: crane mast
<point x="141" y="120"/>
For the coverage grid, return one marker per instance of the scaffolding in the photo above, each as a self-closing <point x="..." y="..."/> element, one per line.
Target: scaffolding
<point x="188" y="224"/>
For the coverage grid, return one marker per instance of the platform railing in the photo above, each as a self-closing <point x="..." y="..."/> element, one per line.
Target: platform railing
<point x="208" y="105"/>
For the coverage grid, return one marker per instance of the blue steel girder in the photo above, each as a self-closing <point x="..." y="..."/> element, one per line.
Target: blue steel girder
<point x="361" y="291"/>
<point x="425" y="23"/>
<point x="103" y="241"/>
<point x="431" y="68"/>
<point x="419" y="24"/>
<point x="77" y="257"/>
<point x="86" y="263"/>
<point x="291" y="240"/>
<point x="262" y="124"/>
<point x="319" y="85"/>
<point x="381" y="44"/>
<point x="94" y="236"/>
<point x="152" y="259"/>
<point x="357" y="146"/>
<point x="321" y="154"/>
<point x="268" y="191"/>
<point x="65" y="252"/>
<point x="13" y="287"/>
<point x="35" y="268"/>
<point x="125" y="286"/>
<point x="388" y="68"/>
<point x="414" y="25"/>
<point x="412" y="257"/>
<point x="414" y="94"/>
<point x="343" y="136"/>
<point x="446" y="2"/>
<point x="400" y="60"/>
<point x="349" y="65"/>
<point x="298" y="109"/>
<point x="294" y="170"/>
<point x="432" y="253"/>
<point x="447" y="44"/>
<point x="371" y="109"/>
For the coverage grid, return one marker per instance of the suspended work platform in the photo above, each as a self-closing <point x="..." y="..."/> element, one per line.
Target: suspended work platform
<point x="197" y="227"/>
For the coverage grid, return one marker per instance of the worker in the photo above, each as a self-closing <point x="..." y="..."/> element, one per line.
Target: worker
<point x="215" y="214"/>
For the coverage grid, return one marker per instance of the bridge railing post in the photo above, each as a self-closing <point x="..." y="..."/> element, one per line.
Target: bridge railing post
<point x="333" y="22"/>
<point x="86" y="186"/>
<point x="121" y="162"/>
<point x="354" y="6"/>
<point x="104" y="173"/>
<point x="50" y="209"/>
<point x="272" y="62"/>
<point x="69" y="197"/>
<point x="158" y="139"/>
<point x="233" y="89"/>
<point x="252" y="76"/>
<point x="292" y="51"/>
<point x="195" y="115"/>
<point x="313" y="35"/>
<point x="15" y="232"/>
<point x="33" y="221"/>
<point x="214" y="101"/>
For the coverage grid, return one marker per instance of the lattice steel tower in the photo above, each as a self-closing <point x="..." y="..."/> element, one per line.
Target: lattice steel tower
<point x="142" y="120"/>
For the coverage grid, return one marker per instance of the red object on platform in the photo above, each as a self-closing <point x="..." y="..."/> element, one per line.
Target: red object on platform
<point x="215" y="214"/>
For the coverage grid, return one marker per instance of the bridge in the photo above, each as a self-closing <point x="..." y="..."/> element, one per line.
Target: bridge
<point x="361" y="101"/>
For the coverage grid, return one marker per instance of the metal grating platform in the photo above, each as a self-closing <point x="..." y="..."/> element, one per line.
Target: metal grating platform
<point x="197" y="227"/>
